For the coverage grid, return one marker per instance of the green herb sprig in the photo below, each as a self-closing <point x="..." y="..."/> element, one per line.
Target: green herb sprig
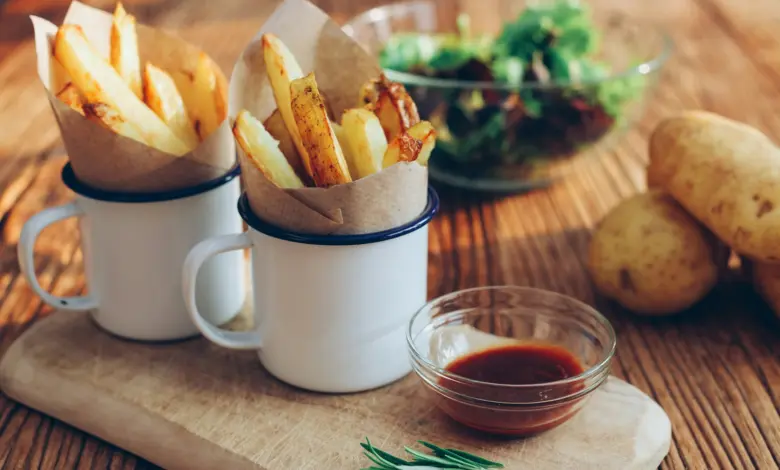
<point x="441" y="459"/>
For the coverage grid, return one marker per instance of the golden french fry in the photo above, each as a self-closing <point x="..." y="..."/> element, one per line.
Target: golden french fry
<point x="162" y="96"/>
<point x="102" y="86"/>
<point x="326" y="159"/>
<point x="363" y="141"/>
<point x="212" y="106"/>
<point x="338" y="130"/>
<point x="394" y="115"/>
<point x="425" y="133"/>
<point x="278" y="130"/>
<point x="282" y="69"/>
<point x="415" y="144"/>
<point x="264" y="151"/>
<point x="204" y="92"/>
<point x="392" y="104"/>
<point x="403" y="148"/>
<point x="58" y="76"/>
<point x="124" y="49"/>
<point x="71" y="96"/>
<point x="110" y="118"/>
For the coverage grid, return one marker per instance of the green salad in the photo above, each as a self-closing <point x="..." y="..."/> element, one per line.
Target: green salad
<point x="552" y="98"/>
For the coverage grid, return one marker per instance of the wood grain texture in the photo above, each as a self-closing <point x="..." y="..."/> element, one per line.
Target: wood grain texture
<point x="195" y="406"/>
<point x="715" y="370"/>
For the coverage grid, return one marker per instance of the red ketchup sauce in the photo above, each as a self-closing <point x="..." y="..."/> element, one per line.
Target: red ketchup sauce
<point x="522" y="364"/>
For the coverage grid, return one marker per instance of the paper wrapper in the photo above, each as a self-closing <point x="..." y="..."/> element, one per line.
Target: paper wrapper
<point x="109" y="161"/>
<point x="385" y="200"/>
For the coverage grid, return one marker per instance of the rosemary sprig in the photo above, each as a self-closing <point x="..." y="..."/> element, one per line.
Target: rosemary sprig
<point x="442" y="459"/>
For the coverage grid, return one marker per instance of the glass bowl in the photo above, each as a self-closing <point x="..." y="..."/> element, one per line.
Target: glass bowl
<point x="500" y="137"/>
<point x="473" y="321"/>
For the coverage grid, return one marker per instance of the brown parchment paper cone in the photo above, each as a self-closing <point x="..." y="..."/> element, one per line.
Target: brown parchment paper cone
<point x="108" y="161"/>
<point x="381" y="201"/>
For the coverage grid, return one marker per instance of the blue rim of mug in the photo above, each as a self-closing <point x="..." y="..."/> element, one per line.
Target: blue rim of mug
<point x="73" y="183"/>
<point x="431" y="208"/>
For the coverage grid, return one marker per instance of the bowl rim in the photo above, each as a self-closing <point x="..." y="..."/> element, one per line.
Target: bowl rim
<point x="385" y="11"/>
<point x="592" y="371"/>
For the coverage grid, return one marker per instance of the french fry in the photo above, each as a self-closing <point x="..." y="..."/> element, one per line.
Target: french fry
<point x="58" y="76"/>
<point x="326" y="159"/>
<point x="403" y="148"/>
<point x="425" y="133"/>
<point x="415" y="144"/>
<point x="162" y="96"/>
<point x="109" y="96"/>
<point x="363" y="141"/>
<point x="339" y="131"/>
<point x="124" y="49"/>
<point x="392" y="104"/>
<point x="204" y="92"/>
<point x="282" y="68"/>
<point x="278" y="130"/>
<point x="71" y="96"/>
<point x="110" y="118"/>
<point x="264" y="151"/>
<point x="60" y="84"/>
<point x="211" y="97"/>
<point x="394" y="115"/>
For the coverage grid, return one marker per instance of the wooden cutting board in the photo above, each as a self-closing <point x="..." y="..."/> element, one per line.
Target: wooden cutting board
<point x="192" y="405"/>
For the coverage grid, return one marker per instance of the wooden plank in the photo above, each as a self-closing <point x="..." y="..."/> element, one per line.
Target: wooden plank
<point x="189" y="405"/>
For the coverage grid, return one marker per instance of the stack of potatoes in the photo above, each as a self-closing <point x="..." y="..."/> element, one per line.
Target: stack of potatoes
<point x="714" y="188"/>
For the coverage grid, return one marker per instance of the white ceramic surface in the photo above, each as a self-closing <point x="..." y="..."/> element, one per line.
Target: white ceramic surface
<point x="329" y="318"/>
<point x="133" y="255"/>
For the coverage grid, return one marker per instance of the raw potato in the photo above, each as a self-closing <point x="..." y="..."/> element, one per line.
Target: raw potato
<point x="766" y="278"/>
<point x="726" y="174"/>
<point x="652" y="257"/>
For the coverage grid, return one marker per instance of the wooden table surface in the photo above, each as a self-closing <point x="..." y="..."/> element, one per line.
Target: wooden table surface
<point x="716" y="369"/>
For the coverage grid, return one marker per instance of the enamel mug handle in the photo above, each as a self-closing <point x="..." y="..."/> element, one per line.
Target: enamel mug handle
<point x="26" y="248"/>
<point x="199" y="254"/>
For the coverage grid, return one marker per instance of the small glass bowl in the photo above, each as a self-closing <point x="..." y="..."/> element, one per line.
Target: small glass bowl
<point x="473" y="320"/>
<point x="501" y="148"/>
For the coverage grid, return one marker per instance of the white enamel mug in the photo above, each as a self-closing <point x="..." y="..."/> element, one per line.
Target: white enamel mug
<point x="134" y="247"/>
<point x="330" y="311"/>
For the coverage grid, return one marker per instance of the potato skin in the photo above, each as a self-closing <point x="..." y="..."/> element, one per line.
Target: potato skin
<point x="724" y="173"/>
<point x="652" y="257"/>
<point x="766" y="279"/>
